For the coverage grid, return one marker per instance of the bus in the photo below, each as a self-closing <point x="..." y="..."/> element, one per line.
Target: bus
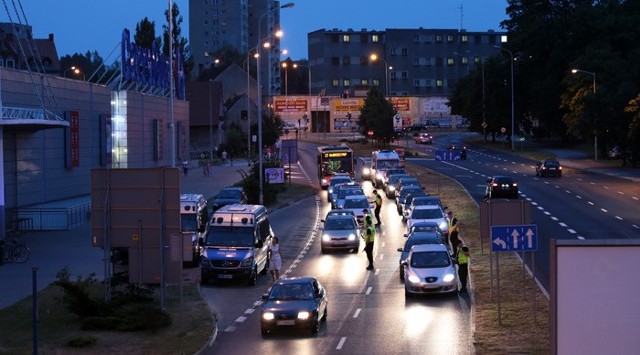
<point x="332" y="160"/>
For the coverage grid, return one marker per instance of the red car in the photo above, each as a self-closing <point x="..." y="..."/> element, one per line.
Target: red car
<point x="424" y="138"/>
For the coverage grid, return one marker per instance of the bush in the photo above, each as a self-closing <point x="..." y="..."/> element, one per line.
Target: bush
<point x="82" y="342"/>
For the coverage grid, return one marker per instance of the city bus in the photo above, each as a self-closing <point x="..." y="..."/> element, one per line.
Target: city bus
<point x="332" y="160"/>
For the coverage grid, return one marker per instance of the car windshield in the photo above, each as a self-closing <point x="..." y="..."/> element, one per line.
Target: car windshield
<point x="407" y="191"/>
<point x="349" y="192"/>
<point x="385" y="164"/>
<point x="235" y="194"/>
<point x="230" y="236"/>
<point x="290" y="292"/>
<point x="356" y="203"/>
<point x="426" y="214"/>
<point x="424" y="228"/>
<point x="420" y="240"/>
<point x="430" y="259"/>
<point x="335" y="181"/>
<point x="339" y="224"/>
<point x="426" y="202"/>
<point x="340" y="213"/>
<point x="552" y="163"/>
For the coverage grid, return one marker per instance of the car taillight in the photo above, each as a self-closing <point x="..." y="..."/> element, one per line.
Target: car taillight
<point x="495" y="184"/>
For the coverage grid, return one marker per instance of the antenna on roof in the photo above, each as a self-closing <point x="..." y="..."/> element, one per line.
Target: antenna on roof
<point x="461" y="8"/>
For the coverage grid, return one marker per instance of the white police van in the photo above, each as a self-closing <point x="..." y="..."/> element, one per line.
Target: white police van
<point x="236" y="244"/>
<point x="194" y="217"/>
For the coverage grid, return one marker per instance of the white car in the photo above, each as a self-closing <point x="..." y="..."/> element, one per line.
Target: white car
<point x="427" y="213"/>
<point x="429" y="269"/>
<point x="357" y="204"/>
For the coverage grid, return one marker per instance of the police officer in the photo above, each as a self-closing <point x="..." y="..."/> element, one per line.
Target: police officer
<point x="463" y="266"/>
<point x="369" y="235"/>
<point x="378" y="202"/>
<point x="453" y="230"/>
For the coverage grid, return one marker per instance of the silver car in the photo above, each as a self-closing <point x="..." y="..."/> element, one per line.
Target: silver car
<point x="429" y="269"/>
<point x="417" y="238"/>
<point x="345" y="190"/>
<point x="341" y="233"/>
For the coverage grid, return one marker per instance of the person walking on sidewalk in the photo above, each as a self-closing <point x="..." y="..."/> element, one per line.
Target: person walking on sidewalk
<point x="463" y="266"/>
<point x="185" y="167"/>
<point x="275" y="261"/>
<point x="378" y="202"/>
<point x="369" y="236"/>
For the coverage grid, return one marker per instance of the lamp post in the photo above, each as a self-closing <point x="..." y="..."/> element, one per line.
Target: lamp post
<point x="260" y="158"/>
<point x="374" y="57"/>
<point x="484" y="115"/>
<point x="210" y="121"/>
<point x="595" y="130"/>
<point x="512" y="97"/>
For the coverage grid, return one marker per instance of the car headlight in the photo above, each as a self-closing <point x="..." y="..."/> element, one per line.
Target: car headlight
<point x="352" y="237"/>
<point x="247" y="262"/>
<point x="392" y="188"/>
<point x="268" y="316"/>
<point x="413" y="279"/>
<point x="443" y="225"/>
<point x="366" y="171"/>
<point x="379" y="176"/>
<point x="304" y="315"/>
<point x="326" y="237"/>
<point x="331" y="190"/>
<point x="448" y="278"/>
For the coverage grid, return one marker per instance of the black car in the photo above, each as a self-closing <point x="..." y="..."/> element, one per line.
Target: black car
<point x="296" y="302"/>
<point x="502" y="186"/>
<point x="548" y="167"/>
<point x="229" y="196"/>
<point x="390" y="185"/>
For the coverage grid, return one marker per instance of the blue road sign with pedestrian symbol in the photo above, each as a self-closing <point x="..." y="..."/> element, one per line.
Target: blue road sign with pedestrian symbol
<point x="514" y="238"/>
<point x="447" y="155"/>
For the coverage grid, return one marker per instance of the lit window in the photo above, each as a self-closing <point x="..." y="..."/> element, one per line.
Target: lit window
<point x="346" y="38"/>
<point x="450" y="61"/>
<point x="375" y="38"/>
<point x="464" y="38"/>
<point x="364" y="82"/>
<point x="438" y="39"/>
<point x="503" y="39"/>
<point x="335" y="82"/>
<point x="464" y="60"/>
<point x="346" y="82"/>
<point x="449" y="38"/>
<point x="439" y="83"/>
<point x="375" y="82"/>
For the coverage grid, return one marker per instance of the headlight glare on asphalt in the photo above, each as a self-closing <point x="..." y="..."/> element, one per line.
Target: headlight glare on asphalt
<point x="448" y="278"/>
<point x="268" y="316"/>
<point x="379" y="176"/>
<point x="352" y="237"/>
<point x="366" y="171"/>
<point x="413" y="279"/>
<point x="304" y="315"/>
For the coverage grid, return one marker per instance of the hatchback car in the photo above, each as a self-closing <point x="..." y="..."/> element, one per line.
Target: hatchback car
<point x="502" y="186"/>
<point x="296" y="302"/>
<point x="344" y="190"/>
<point x="391" y="183"/>
<point x="408" y="200"/>
<point x="427" y="213"/>
<point x="229" y="196"/>
<point x="357" y="204"/>
<point x="548" y="167"/>
<point x="402" y="194"/>
<point x="422" y="200"/>
<point x="424" y="138"/>
<point x="429" y="269"/>
<point x="416" y="238"/>
<point x="341" y="233"/>
<point x="335" y="181"/>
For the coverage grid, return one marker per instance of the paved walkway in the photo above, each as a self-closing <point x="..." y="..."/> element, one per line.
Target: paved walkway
<point x="53" y="250"/>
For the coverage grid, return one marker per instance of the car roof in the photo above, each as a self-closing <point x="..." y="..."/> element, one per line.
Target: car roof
<point x="503" y="178"/>
<point x="425" y="236"/>
<point x="427" y="207"/>
<point x="295" y="280"/>
<point x="428" y="247"/>
<point x="356" y="197"/>
<point x="234" y="188"/>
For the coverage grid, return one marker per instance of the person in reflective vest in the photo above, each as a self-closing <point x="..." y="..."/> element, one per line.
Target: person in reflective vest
<point x="453" y="230"/>
<point x="367" y="216"/>
<point x="463" y="266"/>
<point x="369" y="236"/>
<point x="378" y="202"/>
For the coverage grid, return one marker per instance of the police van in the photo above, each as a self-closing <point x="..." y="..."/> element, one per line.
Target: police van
<point x="194" y="217"/>
<point x="381" y="160"/>
<point x="236" y="244"/>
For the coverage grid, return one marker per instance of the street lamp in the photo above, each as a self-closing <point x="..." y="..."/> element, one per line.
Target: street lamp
<point x="513" y="142"/>
<point x="595" y="130"/>
<point x="75" y="71"/>
<point x="484" y="115"/>
<point x="260" y="158"/>
<point x="374" y="57"/>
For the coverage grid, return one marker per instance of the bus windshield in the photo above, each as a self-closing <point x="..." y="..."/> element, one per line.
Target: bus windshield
<point x="230" y="236"/>
<point x="331" y="166"/>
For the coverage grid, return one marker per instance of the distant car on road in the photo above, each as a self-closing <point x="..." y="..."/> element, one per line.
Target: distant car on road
<point x="296" y="302"/>
<point x="229" y="196"/>
<point x="548" y="167"/>
<point x="502" y="186"/>
<point x="424" y="138"/>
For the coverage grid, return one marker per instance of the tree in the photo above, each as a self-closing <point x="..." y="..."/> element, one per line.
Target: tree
<point x="177" y="40"/>
<point x="90" y="66"/>
<point x="145" y="34"/>
<point x="377" y="115"/>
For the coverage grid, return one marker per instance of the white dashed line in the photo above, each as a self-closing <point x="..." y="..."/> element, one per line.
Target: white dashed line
<point x="606" y="187"/>
<point x="580" y="237"/>
<point x="230" y="328"/>
<point x="341" y="343"/>
<point x="541" y="208"/>
<point x="592" y="183"/>
<point x="636" y="227"/>
<point x="249" y="311"/>
<point x="619" y="218"/>
<point x="554" y="218"/>
<point x="241" y="319"/>
<point x="357" y="313"/>
<point x="567" y="191"/>
<point x="591" y="203"/>
<point x="368" y="290"/>
<point x="547" y="213"/>
<point x="571" y="231"/>
<point x="562" y="224"/>
<point x="621" y="193"/>
<point x="533" y="203"/>
<point x="578" y="196"/>
<point x="257" y="303"/>
<point x="635" y="198"/>
<point x="603" y="210"/>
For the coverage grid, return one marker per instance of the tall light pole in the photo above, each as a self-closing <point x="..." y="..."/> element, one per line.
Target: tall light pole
<point x="210" y="122"/>
<point x="374" y="57"/>
<point x="513" y="142"/>
<point x="595" y="129"/>
<point x="260" y="158"/>
<point x="484" y="111"/>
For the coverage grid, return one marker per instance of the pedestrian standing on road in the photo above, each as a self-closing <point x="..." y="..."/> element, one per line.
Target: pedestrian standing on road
<point x="378" y="202"/>
<point x="209" y="168"/>
<point x="454" y="228"/>
<point x="463" y="266"/>
<point x="369" y="236"/>
<point x="275" y="260"/>
<point x="185" y="167"/>
<point x="224" y="156"/>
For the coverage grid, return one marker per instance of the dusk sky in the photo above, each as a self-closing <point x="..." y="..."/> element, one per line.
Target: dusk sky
<point x="81" y="25"/>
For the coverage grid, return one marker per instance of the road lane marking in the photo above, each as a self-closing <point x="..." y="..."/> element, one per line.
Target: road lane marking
<point x="547" y="213"/>
<point x="554" y="218"/>
<point x="635" y="226"/>
<point x="591" y="203"/>
<point x="257" y="303"/>
<point x="603" y="210"/>
<point x="567" y="191"/>
<point x="619" y="218"/>
<point x="241" y="319"/>
<point x="580" y="237"/>
<point x="230" y="329"/>
<point x="562" y="224"/>
<point x="341" y="343"/>
<point x="592" y="183"/>
<point x="249" y="311"/>
<point x="540" y="208"/>
<point x="606" y="187"/>
<point x="621" y="193"/>
<point x="368" y="290"/>
<point x="578" y="196"/>
<point x="571" y="231"/>
<point x="533" y="203"/>
<point x="635" y="198"/>
<point x="357" y="313"/>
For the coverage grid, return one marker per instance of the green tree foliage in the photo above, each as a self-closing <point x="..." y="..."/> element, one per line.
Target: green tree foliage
<point x="235" y="140"/>
<point x="177" y="40"/>
<point x="90" y="66"/>
<point x="377" y="115"/>
<point x="145" y="34"/>
<point x="272" y="129"/>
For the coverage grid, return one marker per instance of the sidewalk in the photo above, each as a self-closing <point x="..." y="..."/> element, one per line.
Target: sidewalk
<point x="53" y="250"/>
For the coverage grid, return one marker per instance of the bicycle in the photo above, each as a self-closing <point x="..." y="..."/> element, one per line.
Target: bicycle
<point x="16" y="252"/>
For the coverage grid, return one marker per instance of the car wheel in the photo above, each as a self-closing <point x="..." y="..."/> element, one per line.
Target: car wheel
<point x="326" y="313"/>
<point x="264" y="331"/>
<point x="253" y="278"/>
<point x="401" y="273"/>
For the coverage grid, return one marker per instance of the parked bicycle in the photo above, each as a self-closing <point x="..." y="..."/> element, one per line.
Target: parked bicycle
<point x="15" y="252"/>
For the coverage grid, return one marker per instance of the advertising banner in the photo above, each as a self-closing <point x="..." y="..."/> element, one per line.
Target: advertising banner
<point x="290" y="105"/>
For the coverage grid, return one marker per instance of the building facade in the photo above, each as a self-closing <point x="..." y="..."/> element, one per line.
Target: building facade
<point x="407" y="62"/>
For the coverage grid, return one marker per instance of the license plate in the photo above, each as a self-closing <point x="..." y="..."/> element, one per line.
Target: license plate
<point x="225" y="276"/>
<point x="286" y="322"/>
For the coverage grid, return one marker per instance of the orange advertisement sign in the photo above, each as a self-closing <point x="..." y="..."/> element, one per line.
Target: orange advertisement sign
<point x="291" y="105"/>
<point x="347" y="105"/>
<point x="401" y="103"/>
